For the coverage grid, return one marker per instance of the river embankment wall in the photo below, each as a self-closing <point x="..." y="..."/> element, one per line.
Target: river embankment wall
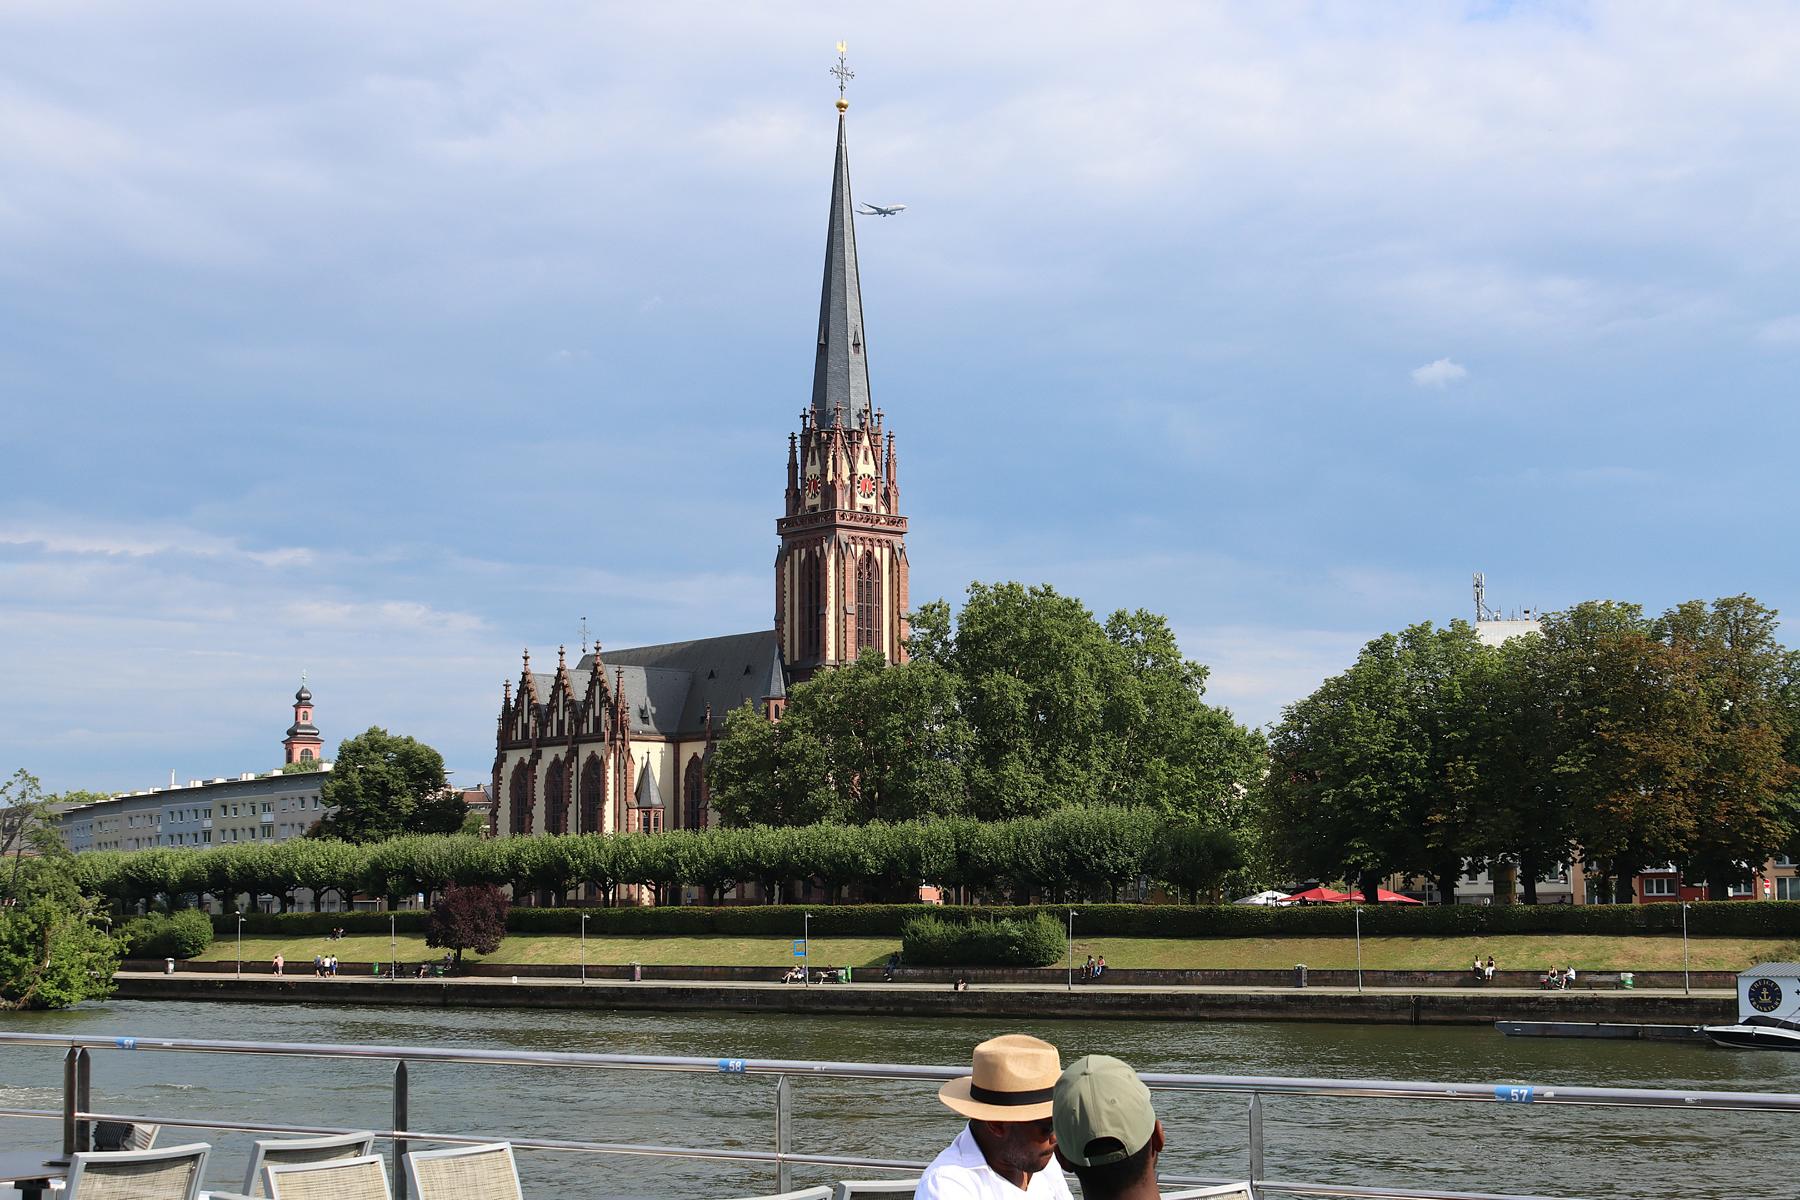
<point x="1040" y="976"/>
<point x="1390" y="1007"/>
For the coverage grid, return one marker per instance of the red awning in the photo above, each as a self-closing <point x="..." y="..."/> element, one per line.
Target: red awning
<point x="1318" y="895"/>
<point x="1383" y="896"/>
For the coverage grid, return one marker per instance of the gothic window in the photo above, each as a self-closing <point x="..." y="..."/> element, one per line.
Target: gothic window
<point x="868" y="601"/>
<point x="593" y="794"/>
<point x="693" y="814"/>
<point x="521" y="800"/>
<point x="306" y="756"/>
<point x="812" y="603"/>
<point x="556" y="799"/>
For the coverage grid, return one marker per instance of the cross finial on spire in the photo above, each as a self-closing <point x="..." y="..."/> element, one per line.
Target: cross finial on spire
<point x="844" y="76"/>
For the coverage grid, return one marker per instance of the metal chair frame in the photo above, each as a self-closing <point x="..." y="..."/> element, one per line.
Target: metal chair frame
<point x="98" y="1160"/>
<point x="275" y="1173"/>
<point x="419" y="1190"/>
<point x="358" y="1145"/>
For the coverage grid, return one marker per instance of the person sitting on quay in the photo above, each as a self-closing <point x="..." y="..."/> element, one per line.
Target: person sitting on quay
<point x="1476" y="970"/>
<point x="1488" y="971"/>
<point x="1100" y="966"/>
<point x="1107" y="1131"/>
<point x="1005" y="1150"/>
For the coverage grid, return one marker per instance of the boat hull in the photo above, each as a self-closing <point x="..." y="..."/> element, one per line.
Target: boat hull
<point x="1754" y="1037"/>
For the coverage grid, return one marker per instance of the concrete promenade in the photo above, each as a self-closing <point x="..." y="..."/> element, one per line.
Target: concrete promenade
<point x="1399" y="1006"/>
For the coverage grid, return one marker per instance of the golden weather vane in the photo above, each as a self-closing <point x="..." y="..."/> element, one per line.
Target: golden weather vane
<point x="844" y="75"/>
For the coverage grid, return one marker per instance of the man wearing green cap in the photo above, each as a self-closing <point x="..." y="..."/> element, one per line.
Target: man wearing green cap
<point x="1106" y="1129"/>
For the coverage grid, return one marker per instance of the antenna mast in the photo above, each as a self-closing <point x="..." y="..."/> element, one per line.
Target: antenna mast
<point x="1482" y="611"/>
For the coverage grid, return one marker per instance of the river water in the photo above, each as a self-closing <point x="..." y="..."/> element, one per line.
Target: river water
<point x="1467" y="1146"/>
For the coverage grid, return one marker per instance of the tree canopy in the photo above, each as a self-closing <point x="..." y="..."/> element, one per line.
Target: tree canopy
<point x="1023" y="704"/>
<point x="383" y="785"/>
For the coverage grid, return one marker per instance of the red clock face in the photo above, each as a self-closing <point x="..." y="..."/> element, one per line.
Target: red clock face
<point x="865" y="486"/>
<point x="812" y="485"/>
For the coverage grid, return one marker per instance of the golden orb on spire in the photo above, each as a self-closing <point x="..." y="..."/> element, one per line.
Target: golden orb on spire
<point x="842" y="104"/>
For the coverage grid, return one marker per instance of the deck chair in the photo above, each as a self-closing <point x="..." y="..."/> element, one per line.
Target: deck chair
<point x="464" y="1173"/>
<point x="273" y="1152"/>
<point x="361" y="1178"/>
<point x="171" y="1174"/>
<point x="822" y="1192"/>
<point x="1229" y="1191"/>
<point x="124" y="1135"/>
<point x="848" y="1188"/>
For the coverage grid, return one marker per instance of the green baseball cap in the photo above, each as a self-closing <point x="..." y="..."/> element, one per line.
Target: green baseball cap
<point x="1099" y="1099"/>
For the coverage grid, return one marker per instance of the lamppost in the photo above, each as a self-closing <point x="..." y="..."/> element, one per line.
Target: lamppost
<point x="1071" y="949"/>
<point x="1686" y="988"/>
<point x="584" y="918"/>
<point x="393" y="948"/>
<point x="240" y="946"/>
<point x="1358" y="909"/>
<point x="806" y="949"/>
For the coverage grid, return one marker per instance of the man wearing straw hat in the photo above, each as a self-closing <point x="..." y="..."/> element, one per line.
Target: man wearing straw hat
<point x="1005" y="1151"/>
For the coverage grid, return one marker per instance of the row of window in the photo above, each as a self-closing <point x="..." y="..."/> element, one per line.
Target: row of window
<point x="869" y="595"/>
<point x="556" y="810"/>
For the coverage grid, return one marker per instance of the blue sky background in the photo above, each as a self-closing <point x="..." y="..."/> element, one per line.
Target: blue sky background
<point x="385" y="340"/>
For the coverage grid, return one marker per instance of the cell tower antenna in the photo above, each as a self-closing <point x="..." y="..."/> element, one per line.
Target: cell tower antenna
<point x="1482" y="611"/>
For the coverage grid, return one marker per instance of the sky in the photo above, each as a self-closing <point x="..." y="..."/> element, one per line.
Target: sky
<point x="382" y="342"/>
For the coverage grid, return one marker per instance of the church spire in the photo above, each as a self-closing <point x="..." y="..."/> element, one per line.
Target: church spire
<point x="841" y="368"/>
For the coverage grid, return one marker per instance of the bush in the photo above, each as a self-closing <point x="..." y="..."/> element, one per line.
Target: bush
<point x="1036" y="941"/>
<point x="160" y="935"/>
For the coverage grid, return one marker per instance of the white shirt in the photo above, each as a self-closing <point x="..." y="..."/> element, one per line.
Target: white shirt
<point x="962" y="1173"/>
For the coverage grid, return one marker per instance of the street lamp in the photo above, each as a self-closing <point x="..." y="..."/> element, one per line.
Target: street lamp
<point x="393" y="948"/>
<point x="1686" y="987"/>
<point x="1071" y="949"/>
<point x="584" y="918"/>
<point x="806" y="949"/>
<point x="1358" y="909"/>
<point x="240" y="946"/>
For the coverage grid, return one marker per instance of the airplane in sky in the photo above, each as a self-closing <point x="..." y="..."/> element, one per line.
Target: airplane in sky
<point x="880" y="210"/>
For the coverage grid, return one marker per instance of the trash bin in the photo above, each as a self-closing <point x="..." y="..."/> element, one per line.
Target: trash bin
<point x="1626" y="981"/>
<point x="637" y="973"/>
<point x="1299" y="974"/>
<point x="168" y="966"/>
<point x="846" y="974"/>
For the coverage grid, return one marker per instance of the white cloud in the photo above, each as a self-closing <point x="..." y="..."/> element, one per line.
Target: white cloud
<point x="1439" y="373"/>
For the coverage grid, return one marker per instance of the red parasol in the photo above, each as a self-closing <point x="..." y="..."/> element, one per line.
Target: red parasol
<point x="1318" y="895"/>
<point x="1383" y="896"/>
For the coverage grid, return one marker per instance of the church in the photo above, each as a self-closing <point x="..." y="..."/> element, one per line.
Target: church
<point x="619" y="741"/>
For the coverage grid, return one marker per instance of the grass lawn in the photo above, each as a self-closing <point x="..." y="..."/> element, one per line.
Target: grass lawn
<point x="1512" y="952"/>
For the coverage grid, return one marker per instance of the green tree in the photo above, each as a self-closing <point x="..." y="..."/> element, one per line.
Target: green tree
<point x="56" y="947"/>
<point x="27" y="819"/>
<point x="383" y="785"/>
<point x="301" y="766"/>
<point x="1195" y="859"/>
<point x="764" y="773"/>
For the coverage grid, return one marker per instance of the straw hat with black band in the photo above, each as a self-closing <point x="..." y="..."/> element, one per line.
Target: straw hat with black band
<point x="1014" y="1079"/>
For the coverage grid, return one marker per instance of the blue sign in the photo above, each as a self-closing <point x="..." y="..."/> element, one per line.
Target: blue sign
<point x="1515" y="1095"/>
<point x="125" y="1043"/>
<point x="731" y="1066"/>
<point x="799" y="947"/>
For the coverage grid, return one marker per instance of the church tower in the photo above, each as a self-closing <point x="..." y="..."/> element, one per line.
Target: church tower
<point x="303" y="742"/>
<point x="840" y="575"/>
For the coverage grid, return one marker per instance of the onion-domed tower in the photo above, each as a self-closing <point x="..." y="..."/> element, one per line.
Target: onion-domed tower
<point x="303" y="742"/>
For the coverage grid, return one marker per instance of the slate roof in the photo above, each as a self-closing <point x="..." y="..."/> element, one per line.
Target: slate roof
<point x="1789" y="969"/>
<point x="841" y="367"/>
<point x="670" y="686"/>
<point x="648" y="794"/>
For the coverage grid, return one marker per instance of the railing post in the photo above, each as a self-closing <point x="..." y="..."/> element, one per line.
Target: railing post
<point x="69" y="1101"/>
<point x="84" y="1099"/>
<point x="784" y="1128"/>
<point x="400" y="1120"/>
<point x="1256" y="1139"/>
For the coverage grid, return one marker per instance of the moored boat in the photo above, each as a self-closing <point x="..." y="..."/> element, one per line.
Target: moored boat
<point x="1768" y="1010"/>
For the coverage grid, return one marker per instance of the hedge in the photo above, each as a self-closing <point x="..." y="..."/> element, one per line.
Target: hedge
<point x="161" y="935"/>
<point x="1726" y="918"/>
<point x="933" y="941"/>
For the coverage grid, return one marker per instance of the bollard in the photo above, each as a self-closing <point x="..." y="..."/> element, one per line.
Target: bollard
<point x="1299" y="975"/>
<point x="168" y="966"/>
<point x="637" y="973"/>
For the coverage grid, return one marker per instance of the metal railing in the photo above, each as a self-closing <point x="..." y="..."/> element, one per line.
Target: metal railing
<point x="77" y="1115"/>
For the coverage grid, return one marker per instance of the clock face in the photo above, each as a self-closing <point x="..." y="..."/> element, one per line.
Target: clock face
<point x="812" y="485"/>
<point x="1765" y="995"/>
<point x="865" y="486"/>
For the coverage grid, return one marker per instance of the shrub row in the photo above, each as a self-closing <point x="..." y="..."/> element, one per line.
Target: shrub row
<point x="181" y="934"/>
<point x="1739" y="918"/>
<point x="933" y="941"/>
